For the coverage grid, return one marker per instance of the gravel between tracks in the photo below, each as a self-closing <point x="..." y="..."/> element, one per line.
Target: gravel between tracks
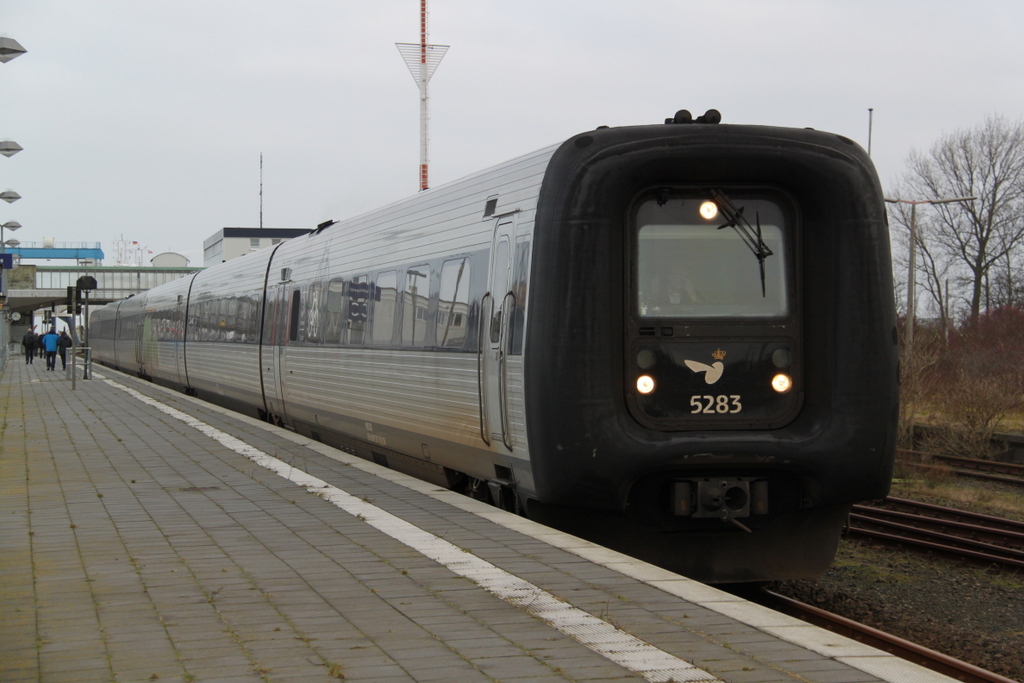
<point x="962" y="610"/>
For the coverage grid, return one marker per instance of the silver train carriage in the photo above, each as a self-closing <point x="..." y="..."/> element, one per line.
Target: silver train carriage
<point x="678" y="340"/>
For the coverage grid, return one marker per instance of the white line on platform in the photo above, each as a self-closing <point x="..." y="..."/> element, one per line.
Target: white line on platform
<point x="640" y="657"/>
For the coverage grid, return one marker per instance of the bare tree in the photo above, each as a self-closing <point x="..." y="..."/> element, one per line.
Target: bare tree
<point x="986" y="162"/>
<point x="1006" y="282"/>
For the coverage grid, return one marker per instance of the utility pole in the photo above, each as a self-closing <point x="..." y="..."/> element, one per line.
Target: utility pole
<point x="911" y="298"/>
<point x="908" y="337"/>
<point x="422" y="60"/>
<point x="871" y="116"/>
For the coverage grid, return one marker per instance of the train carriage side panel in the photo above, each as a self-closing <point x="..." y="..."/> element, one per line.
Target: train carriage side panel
<point x="128" y="331"/>
<point x="222" y="332"/>
<point x="164" y="332"/>
<point x="402" y="387"/>
<point x="102" y="322"/>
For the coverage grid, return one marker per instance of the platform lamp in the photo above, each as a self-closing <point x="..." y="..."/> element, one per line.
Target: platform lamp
<point x="12" y="226"/>
<point x="3" y="281"/>
<point x="9" y="225"/>
<point x="9" y="49"/>
<point x="9" y="196"/>
<point x="9" y="148"/>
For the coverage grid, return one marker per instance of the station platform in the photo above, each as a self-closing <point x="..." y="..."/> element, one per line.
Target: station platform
<point x="147" y="536"/>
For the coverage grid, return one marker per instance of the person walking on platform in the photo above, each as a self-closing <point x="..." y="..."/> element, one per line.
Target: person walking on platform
<point x="63" y="344"/>
<point x="29" y="342"/>
<point x="50" y="340"/>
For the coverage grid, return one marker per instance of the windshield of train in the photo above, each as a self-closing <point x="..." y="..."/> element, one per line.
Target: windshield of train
<point x="711" y="254"/>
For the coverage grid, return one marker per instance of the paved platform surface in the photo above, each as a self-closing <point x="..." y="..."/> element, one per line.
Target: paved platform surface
<point x="145" y="536"/>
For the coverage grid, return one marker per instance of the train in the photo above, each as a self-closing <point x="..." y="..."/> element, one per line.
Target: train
<point x="677" y="339"/>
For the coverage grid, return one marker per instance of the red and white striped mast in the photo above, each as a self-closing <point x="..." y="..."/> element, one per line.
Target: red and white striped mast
<point x="422" y="60"/>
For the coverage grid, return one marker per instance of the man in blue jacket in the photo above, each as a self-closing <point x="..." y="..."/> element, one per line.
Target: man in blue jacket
<point x="50" y="341"/>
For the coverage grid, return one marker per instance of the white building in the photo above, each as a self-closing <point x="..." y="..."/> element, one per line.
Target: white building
<point x="229" y="243"/>
<point x="169" y="259"/>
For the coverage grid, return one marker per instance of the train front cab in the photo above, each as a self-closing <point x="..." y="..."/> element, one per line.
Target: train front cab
<point x="720" y="326"/>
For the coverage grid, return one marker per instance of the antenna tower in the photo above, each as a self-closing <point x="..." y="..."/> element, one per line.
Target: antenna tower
<point x="422" y="60"/>
<point x="128" y="253"/>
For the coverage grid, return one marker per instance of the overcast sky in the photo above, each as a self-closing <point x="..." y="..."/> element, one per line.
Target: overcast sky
<point x="146" y="118"/>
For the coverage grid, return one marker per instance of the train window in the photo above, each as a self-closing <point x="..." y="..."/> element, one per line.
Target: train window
<point x="385" y="299"/>
<point x="248" y="312"/>
<point x="414" y="305"/>
<point x="219" y="313"/>
<point x="195" y="324"/>
<point x="313" y="311"/>
<point x="711" y="255"/>
<point x="333" y="311"/>
<point x="274" y="317"/>
<point x="520" y="274"/>
<point x="204" y="321"/>
<point x="209" y="321"/>
<point x="453" y="304"/>
<point x="231" y="328"/>
<point x="293" y="322"/>
<point x="222" y="320"/>
<point x="358" y="296"/>
<point x="499" y="287"/>
<point x="242" y="315"/>
<point x="261" y="310"/>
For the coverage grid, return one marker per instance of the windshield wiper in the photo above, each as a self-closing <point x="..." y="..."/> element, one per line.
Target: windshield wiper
<point x="750" y="235"/>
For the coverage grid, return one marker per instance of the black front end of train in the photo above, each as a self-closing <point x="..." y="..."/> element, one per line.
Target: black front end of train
<point x="711" y="371"/>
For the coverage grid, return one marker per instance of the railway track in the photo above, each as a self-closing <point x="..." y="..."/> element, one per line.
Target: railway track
<point x="990" y="470"/>
<point x="930" y="659"/>
<point x="977" y="537"/>
<point x="970" y="535"/>
<point x="984" y="469"/>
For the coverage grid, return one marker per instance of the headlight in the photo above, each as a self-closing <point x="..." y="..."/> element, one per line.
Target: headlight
<point x="645" y="384"/>
<point x="782" y="383"/>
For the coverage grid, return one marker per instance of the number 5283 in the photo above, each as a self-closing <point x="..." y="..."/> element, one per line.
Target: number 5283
<point x="710" y="405"/>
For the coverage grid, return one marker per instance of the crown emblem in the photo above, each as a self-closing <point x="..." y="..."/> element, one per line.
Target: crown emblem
<point x="718" y="355"/>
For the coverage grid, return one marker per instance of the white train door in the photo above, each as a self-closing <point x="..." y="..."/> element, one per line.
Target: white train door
<point x="498" y="303"/>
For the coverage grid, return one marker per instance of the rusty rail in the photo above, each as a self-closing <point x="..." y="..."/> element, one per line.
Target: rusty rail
<point x="947" y="530"/>
<point x="904" y="649"/>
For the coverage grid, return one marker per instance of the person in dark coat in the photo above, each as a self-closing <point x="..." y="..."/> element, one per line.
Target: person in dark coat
<point x="63" y="344"/>
<point x="29" y="342"/>
<point x="49" y="341"/>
